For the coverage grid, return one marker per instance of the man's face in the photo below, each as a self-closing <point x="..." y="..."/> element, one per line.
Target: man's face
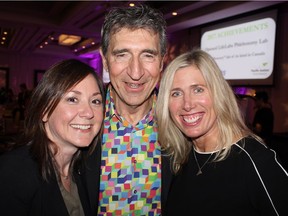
<point x="134" y="63"/>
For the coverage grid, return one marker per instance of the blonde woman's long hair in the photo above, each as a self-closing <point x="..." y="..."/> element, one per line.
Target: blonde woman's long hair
<point x="229" y="119"/>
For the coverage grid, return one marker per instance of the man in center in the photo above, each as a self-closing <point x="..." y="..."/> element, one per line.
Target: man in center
<point x="132" y="48"/>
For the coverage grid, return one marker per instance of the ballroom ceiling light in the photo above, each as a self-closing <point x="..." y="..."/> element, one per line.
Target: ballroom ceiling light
<point x="68" y="40"/>
<point x="5" y="37"/>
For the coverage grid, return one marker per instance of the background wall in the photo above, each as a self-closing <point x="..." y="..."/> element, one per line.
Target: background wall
<point x="22" y="67"/>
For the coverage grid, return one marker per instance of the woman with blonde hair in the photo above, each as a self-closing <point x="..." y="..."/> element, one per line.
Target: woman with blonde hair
<point x="220" y="167"/>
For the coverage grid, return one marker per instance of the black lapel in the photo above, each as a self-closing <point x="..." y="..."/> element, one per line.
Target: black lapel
<point x="92" y="178"/>
<point x="166" y="179"/>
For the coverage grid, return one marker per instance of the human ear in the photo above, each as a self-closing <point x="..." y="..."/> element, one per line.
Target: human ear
<point x="104" y="61"/>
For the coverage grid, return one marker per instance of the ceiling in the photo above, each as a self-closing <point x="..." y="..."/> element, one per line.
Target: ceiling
<point x="31" y="24"/>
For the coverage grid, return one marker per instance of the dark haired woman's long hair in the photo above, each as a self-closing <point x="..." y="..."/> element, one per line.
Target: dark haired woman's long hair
<point x="55" y="83"/>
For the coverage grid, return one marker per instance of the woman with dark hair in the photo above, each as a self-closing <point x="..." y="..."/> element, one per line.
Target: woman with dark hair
<point x="41" y="175"/>
<point x="220" y="166"/>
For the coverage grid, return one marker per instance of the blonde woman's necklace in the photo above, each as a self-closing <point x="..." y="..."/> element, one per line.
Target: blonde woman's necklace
<point x="200" y="167"/>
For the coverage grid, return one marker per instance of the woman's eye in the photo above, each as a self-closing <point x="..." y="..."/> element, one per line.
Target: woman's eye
<point x="198" y="90"/>
<point x="97" y="101"/>
<point x="175" y="94"/>
<point x="72" y="99"/>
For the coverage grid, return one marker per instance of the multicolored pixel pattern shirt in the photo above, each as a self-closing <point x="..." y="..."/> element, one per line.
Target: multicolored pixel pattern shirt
<point x="130" y="165"/>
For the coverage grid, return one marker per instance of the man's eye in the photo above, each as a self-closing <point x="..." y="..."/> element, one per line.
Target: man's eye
<point x="148" y="57"/>
<point x="120" y="57"/>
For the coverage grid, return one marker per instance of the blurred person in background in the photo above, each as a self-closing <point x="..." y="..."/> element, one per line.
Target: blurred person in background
<point x="23" y="99"/>
<point x="263" y="121"/>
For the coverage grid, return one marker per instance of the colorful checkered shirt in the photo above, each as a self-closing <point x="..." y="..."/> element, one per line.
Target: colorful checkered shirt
<point x="130" y="165"/>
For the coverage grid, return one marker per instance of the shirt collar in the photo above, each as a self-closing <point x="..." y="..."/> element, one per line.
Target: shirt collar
<point x="110" y="109"/>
